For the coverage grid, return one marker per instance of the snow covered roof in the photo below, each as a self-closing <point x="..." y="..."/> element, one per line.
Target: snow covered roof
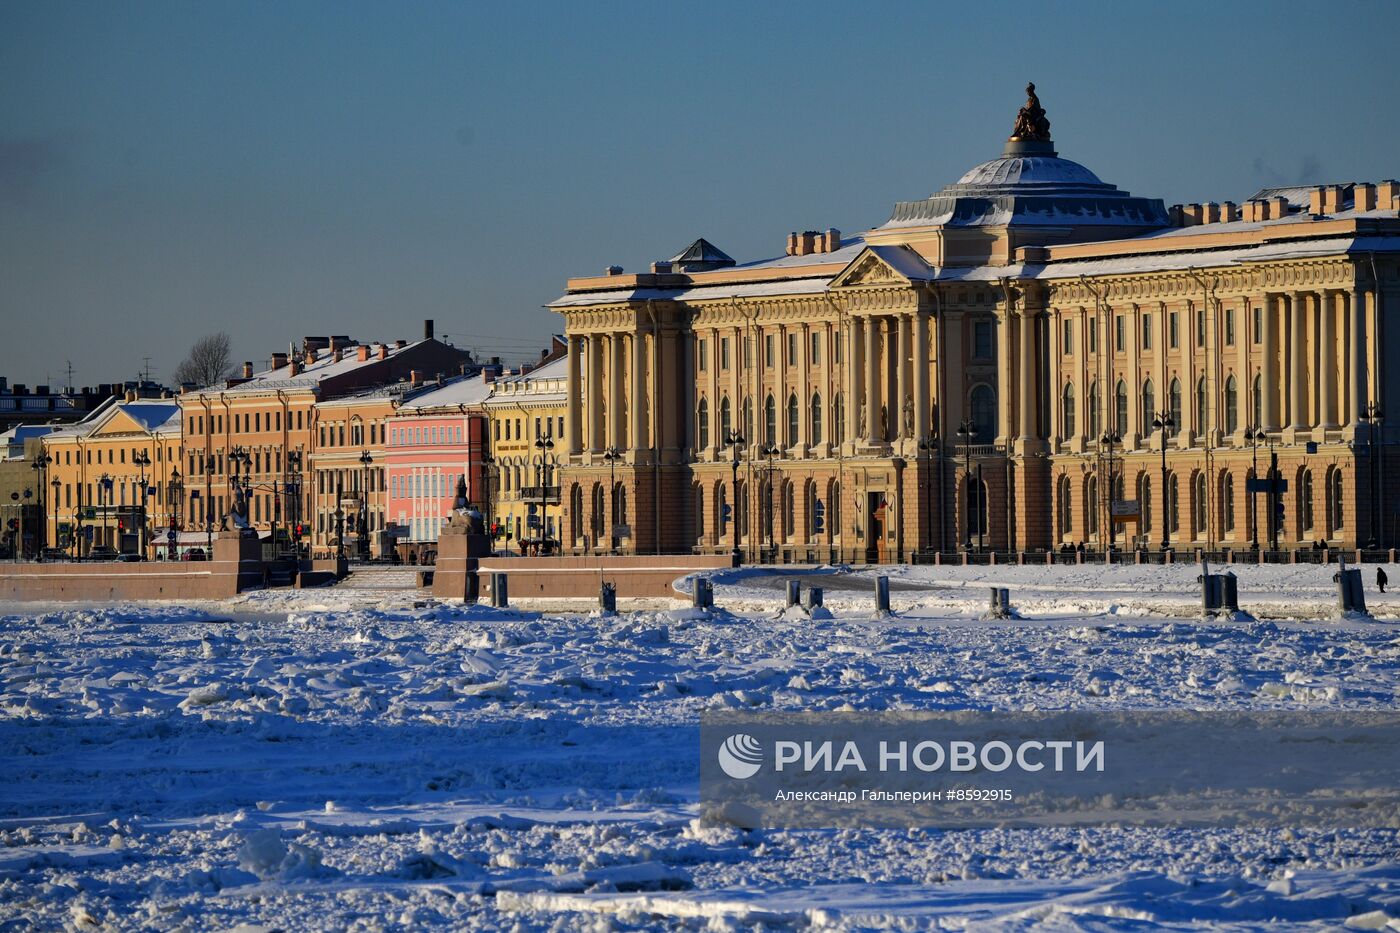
<point x="152" y="414"/>
<point x="701" y="293"/>
<point x="468" y="390"/>
<point x="325" y="366"/>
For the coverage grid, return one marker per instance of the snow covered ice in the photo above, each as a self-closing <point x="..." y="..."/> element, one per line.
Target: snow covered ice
<point x="340" y="760"/>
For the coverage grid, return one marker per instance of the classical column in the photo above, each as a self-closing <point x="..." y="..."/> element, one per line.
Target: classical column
<point x="573" y="426"/>
<point x="1329" y="306"/>
<point x="1357" y="342"/>
<point x="595" y="393"/>
<point x="901" y="322"/>
<point x="922" y="426"/>
<point x="804" y="397"/>
<point x="1026" y="390"/>
<point x="1269" y="406"/>
<point x="851" y="378"/>
<point x="1003" y="338"/>
<point x="615" y="391"/>
<point x="870" y="396"/>
<point x="637" y="438"/>
<point x="1297" y="358"/>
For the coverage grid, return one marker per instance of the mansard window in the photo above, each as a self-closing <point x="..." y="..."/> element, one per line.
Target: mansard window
<point x="983" y="406"/>
<point x="770" y="422"/>
<point x="1067" y="410"/>
<point x="1149" y="405"/>
<point x="1091" y="409"/>
<point x="1174" y="402"/>
<point x="816" y="418"/>
<point x="1232" y="405"/>
<point x="1201" y="405"/>
<point x="1258" y="401"/>
<point x="724" y="421"/>
<point x="983" y="341"/>
<point x="1120" y="409"/>
<point x="702" y="423"/>
<point x="792" y="419"/>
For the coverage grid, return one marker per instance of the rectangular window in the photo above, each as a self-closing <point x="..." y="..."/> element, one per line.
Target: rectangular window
<point x="1258" y="325"/>
<point x="1118" y="331"/>
<point x="1173" y="330"/>
<point x="983" y="340"/>
<point x="1229" y="327"/>
<point x="770" y="351"/>
<point x="836" y="350"/>
<point x="1147" y="330"/>
<point x="816" y="349"/>
<point x="1094" y="336"/>
<point x="724" y="353"/>
<point x="702" y="348"/>
<point x="1068" y="339"/>
<point x="792" y="349"/>
<point x="1201" y="327"/>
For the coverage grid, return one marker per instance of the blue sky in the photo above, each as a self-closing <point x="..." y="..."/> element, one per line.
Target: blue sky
<point x="274" y="169"/>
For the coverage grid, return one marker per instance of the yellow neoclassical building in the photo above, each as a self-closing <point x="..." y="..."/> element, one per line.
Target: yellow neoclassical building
<point x="1029" y="359"/>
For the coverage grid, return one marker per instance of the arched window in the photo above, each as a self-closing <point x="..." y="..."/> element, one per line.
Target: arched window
<point x="1066" y="501"/>
<point x="1144" y="495"/>
<point x="1174" y="402"/>
<point x="1091" y="505"/>
<point x="770" y="422"/>
<point x="1201" y="405"/>
<point x="1334" y="501"/>
<point x="789" y="510"/>
<point x="792" y="425"/>
<point x="1120" y="408"/>
<point x="1149" y="406"/>
<point x="702" y="423"/>
<point x="1305" y="500"/>
<point x="816" y="418"/>
<point x="1232" y="406"/>
<point x="698" y="492"/>
<point x="725" y="422"/>
<point x="1258" y="401"/>
<point x="598" y="513"/>
<point x="1091" y="408"/>
<point x="976" y="507"/>
<point x="838" y="419"/>
<point x="576" y="514"/>
<point x="1173" y="505"/>
<point x="1198" y="504"/>
<point x="983" y="406"/>
<point x="619" y="504"/>
<point x="1067" y="410"/>
<point x="1227" y="503"/>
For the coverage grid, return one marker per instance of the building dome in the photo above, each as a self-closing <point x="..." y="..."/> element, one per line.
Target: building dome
<point x="1028" y="170"/>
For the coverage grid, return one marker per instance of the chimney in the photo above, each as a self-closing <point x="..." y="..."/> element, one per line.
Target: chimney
<point x="247" y="370"/>
<point x="488" y="374"/>
<point x="362" y="352"/>
<point x="1363" y="196"/>
<point x="337" y="354"/>
<point x="1386" y="193"/>
<point x="660" y="268"/>
<point x="1332" y="199"/>
<point x="1210" y="213"/>
<point x="613" y="270"/>
<point x="1278" y="208"/>
<point x="1174" y="216"/>
<point x="1190" y="215"/>
<point x="525" y="368"/>
<point x="400" y="344"/>
<point x="807" y="243"/>
<point x="293" y="368"/>
<point x="1229" y="212"/>
<point x="792" y="244"/>
<point x="428" y="329"/>
<point x="131" y="395"/>
<point x="831" y="240"/>
<point x="414" y="378"/>
<point x="383" y="351"/>
<point x="279" y="360"/>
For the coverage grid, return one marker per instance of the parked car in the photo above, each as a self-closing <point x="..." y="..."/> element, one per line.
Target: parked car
<point x="195" y="553"/>
<point x="131" y="558"/>
<point x="55" y="553"/>
<point x="102" y="552"/>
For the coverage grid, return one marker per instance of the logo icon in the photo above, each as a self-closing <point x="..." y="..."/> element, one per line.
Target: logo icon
<point x="740" y="756"/>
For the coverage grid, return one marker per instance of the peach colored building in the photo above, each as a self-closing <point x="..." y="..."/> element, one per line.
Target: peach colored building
<point x="1028" y="359"/>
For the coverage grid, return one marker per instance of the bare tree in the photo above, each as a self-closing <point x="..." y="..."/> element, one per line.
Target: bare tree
<point x="210" y="361"/>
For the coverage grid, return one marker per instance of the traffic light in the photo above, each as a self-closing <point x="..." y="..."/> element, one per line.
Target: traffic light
<point x="13" y="524"/>
<point x="818" y="516"/>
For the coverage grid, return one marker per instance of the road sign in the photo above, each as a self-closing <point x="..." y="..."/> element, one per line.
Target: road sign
<point x="1125" y="508"/>
<point x="622" y="531"/>
<point x="170" y="536"/>
<point x="818" y="516"/>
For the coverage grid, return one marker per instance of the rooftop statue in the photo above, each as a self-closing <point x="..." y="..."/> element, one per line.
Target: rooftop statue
<point x="1030" y="119"/>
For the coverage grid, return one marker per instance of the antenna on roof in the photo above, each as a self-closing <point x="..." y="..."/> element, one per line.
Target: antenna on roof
<point x="70" y="376"/>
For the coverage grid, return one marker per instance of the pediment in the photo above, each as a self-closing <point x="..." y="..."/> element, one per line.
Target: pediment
<point x="883" y="265"/>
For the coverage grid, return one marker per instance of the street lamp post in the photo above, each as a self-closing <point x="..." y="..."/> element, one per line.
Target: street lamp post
<point x="291" y="484"/>
<point x="734" y="440"/>
<point x="104" y="488"/>
<point x="1254" y="435"/>
<point x="365" y="460"/>
<point x="1110" y="438"/>
<point x="966" y="432"/>
<point x="612" y="455"/>
<point x="175" y="496"/>
<point x="1164" y="423"/>
<point x="208" y="507"/>
<point x="142" y="460"/>
<point x="544" y="470"/>
<point x="41" y="475"/>
<point x="1274" y="500"/>
<point x="927" y="445"/>
<point x="339" y="521"/>
<point x="56" y="483"/>
<point x="769" y="451"/>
